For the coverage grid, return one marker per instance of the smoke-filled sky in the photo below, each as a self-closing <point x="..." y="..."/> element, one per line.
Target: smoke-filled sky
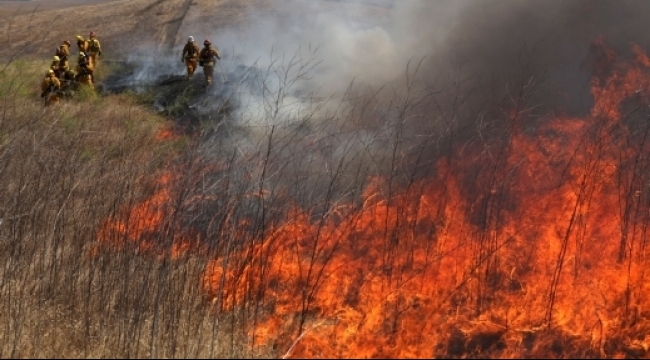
<point x="373" y="41"/>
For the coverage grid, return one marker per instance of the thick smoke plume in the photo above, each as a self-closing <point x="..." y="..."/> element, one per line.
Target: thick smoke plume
<point x="464" y="46"/>
<point x="331" y="92"/>
<point x="486" y="43"/>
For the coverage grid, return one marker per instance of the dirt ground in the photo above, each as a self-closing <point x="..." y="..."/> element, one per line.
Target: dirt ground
<point x="14" y="7"/>
<point x="121" y="24"/>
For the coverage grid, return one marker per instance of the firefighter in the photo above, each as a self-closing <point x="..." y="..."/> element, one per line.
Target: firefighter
<point x="190" y="56"/>
<point x="63" y="52"/>
<point x="83" y="46"/>
<point x="55" y="66"/>
<point x="63" y="67"/>
<point x="68" y="82"/>
<point x="94" y="49"/>
<point x="207" y="60"/>
<point x="50" y="87"/>
<point x="84" y="71"/>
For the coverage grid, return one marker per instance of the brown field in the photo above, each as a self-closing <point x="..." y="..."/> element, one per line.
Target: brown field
<point x="17" y="7"/>
<point x="36" y="27"/>
<point x="122" y="25"/>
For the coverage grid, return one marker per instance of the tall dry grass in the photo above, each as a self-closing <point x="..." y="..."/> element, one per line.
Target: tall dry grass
<point x="64" y="170"/>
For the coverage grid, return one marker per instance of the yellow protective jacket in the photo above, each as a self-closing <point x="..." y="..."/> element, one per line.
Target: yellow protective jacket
<point x="63" y="52"/>
<point x="94" y="47"/>
<point x="50" y="84"/>
<point x="83" y="45"/>
<point x="208" y="54"/>
<point x="56" y="67"/>
<point x="68" y="75"/>
<point x="84" y="69"/>
<point x="64" y="65"/>
<point x="190" y="51"/>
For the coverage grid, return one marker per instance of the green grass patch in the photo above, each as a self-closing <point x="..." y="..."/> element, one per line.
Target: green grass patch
<point x="22" y="78"/>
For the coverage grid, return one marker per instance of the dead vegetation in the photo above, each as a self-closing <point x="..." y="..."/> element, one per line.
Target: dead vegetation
<point x="64" y="171"/>
<point x="163" y="23"/>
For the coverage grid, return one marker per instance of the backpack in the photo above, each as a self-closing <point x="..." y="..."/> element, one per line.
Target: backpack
<point x="207" y="54"/>
<point x="50" y="89"/>
<point x="94" y="45"/>
<point x="192" y="51"/>
<point x="84" y="69"/>
<point x="61" y="53"/>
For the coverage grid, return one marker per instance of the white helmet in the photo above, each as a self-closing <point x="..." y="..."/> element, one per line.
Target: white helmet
<point x="190" y="39"/>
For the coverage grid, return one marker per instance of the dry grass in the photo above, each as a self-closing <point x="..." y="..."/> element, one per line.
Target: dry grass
<point x="123" y="26"/>
<point x="64" y="170"/>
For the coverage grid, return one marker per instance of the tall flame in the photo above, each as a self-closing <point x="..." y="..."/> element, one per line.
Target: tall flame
<point x="554" y="243"/>
<point x="534" y="246"/>
<point x="141" y="225"/>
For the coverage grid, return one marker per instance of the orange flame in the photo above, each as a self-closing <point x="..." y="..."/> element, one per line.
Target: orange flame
<point x="555" y="241"/>
<point x="141" y="224"/>
<point x="542" y="253"/>
<point x="166" y="134"/>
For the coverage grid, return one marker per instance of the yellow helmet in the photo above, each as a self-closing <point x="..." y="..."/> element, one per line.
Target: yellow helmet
<point x="82" y="55"/>
<point x="80" y="38"/>
<point x="50" y="72"/>
<point x="56" y="58"/>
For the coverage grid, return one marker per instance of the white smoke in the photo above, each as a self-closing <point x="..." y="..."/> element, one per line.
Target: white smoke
<point x="289" y="68"/>
<point x="318" y="48"/>
<point x="300" y="59"/>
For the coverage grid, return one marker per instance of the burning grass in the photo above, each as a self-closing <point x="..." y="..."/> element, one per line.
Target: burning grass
<point x="530" y="245"/>
<point x="64" y="170"/>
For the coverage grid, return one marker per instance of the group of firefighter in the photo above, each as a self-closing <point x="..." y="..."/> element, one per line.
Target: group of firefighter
<point x="206" y="57"/>
<point x="61" y="80"/>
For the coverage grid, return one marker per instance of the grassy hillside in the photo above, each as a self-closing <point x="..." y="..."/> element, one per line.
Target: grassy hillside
<point x="64" y="170"/>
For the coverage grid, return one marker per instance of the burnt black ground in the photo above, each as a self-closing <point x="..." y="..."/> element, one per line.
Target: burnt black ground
<point x="186" y="101"/>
